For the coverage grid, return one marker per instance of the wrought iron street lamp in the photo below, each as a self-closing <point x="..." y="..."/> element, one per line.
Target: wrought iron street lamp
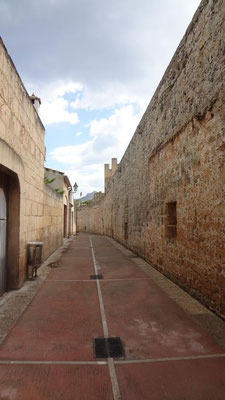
<point x="75" y="187"/>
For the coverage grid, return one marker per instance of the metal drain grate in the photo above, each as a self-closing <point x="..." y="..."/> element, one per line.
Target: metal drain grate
<point x="115" y="347"/>
<point x="110" y="347"/>
<point x="96" y="276"/>
<point x="100" y="349"/>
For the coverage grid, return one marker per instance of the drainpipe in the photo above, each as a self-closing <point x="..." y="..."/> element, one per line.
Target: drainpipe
<point x="75" y="187"/>
<point x="68" y="208"/>
<point x="70" y="212"/>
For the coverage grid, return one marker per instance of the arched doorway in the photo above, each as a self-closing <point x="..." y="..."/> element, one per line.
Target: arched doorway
<point x="9" y="229"/>
<point x="3" y="233"/>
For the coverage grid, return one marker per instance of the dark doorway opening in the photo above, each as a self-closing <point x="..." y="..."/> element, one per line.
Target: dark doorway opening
<point x="9" y="229"/>
<point x="3" y="231"/>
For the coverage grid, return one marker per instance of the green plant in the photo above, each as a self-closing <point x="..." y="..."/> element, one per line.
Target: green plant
<point x="86" y="202"/>
<point x="48" y="181"/>
<point x="59" y="191"/>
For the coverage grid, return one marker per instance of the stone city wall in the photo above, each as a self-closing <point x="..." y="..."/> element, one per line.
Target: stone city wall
<point x="32" y="207"/>
<point x="166" y="199"/>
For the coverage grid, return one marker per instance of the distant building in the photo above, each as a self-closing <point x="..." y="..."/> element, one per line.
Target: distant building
<point x="60" y="183"/>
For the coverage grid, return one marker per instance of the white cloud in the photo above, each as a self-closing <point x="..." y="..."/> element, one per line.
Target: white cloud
<point x="56" y="111"/>
<point x="88" y="179"/>
<point x="74" y="155"/>
<point x="103" y="42"/>
<point x="66" y="87"/>
<point x="55" y="108"/>
<point x="122" y="120"/>
<point x="108" y="97"/>
<point x="109" y="138"/>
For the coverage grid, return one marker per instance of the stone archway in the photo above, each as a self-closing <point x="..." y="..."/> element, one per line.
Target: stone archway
<point x="10" y="194"/>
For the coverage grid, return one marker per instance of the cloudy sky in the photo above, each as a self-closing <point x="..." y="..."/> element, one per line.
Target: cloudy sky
<point x="95" y="64"/>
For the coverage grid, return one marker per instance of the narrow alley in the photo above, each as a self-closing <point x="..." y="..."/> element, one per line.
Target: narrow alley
<point x="165" y="355"/>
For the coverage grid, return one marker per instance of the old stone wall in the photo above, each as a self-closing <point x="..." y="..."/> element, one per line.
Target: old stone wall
<point x="90" y="218"/>
<point x="32" y="208"/>
<point x="166" y="201"/>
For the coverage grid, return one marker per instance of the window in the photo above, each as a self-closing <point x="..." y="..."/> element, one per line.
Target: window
<point x="171" y="220"/>
<point x="126" y="219"/>
<point x="126" y="231"/>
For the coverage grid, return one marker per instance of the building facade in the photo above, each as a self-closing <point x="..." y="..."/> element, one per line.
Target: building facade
<point x="29" y="209"/>
<point x="60" y="183"/>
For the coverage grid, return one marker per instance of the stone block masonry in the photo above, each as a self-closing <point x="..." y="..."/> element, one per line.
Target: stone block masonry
<point x="166" y="199"/>
<point x="34" y="211"/>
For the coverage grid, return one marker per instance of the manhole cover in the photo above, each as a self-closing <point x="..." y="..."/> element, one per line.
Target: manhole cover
<point x="96" y="276"/>
<point x="110" y="347"/>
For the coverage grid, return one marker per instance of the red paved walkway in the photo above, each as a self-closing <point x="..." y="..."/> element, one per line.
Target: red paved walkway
<point x="49" y="352"/>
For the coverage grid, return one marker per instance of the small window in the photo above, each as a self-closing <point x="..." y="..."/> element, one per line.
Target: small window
<point x="126" y="231"/>
<point x="126" y="219"/>
<point x="171" y="220"/>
